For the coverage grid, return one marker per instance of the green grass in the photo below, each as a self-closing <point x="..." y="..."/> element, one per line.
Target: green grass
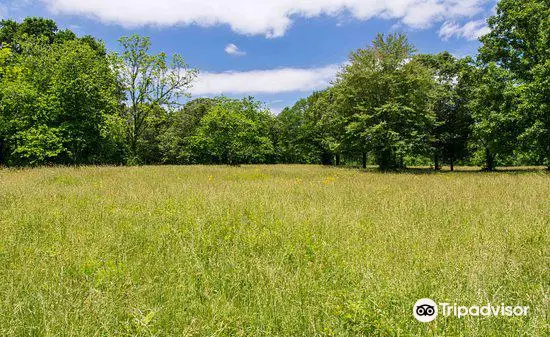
<point x="269" y="250"/>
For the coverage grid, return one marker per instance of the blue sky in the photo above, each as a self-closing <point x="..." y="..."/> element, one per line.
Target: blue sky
<point x="275" y="50"/>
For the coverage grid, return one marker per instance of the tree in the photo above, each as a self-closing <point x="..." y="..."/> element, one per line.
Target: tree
<point x="59" y="106"/>
<point x="384" y="96"/>
<point x="519" y="41"/>
<point x="6" y="70"/>
<point x="182" y="125"/>
<point x="534" y="107"/>
<point x="495" y="127"/>
<point x="452" y="128"/>
<point x="39" y="30"/>
<point x="8" y="30"/>
<point x="149" y="81"/>
<point x="519" y="36"/>
<point x="234" y="132"/>
<point x="290" y="144"/>
<point x="13" y="33"/>
<point x="306" y="131"/>
<point x="149" y="148"/>
<point x="325" y="127"/>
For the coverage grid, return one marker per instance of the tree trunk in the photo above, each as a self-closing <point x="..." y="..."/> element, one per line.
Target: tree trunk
<point x="326" y="158"/>
<point x="389" y="161"/>
<point x="490" y="165"/>
<point x="1" y="152"/>
<point x="452" y="164"/>
<point x="364" y="160"/>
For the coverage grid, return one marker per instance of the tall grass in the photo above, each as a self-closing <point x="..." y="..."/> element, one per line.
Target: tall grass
<point x="269" y="250"/>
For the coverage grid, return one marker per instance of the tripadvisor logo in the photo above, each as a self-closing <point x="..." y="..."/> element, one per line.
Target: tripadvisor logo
<point x="426" y="310"/>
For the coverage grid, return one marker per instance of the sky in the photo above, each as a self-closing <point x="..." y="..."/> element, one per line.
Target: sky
<point x="275" y="50"/>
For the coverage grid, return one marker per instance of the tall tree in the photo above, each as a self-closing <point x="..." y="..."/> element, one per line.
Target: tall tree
<point x="149" y="80"/>
<point x="308" y="131"/>
<point x="495" y="127"/>
<point x="534" y="107"/>
<point x="453" y="120"/>
<point x="325" y="126"/>
<point x="384" y="94"/>
<point x="519" y="41"/>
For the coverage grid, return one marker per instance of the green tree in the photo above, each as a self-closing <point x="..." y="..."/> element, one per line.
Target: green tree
<point x="305" y="133"/>
<point x="6" y="71"/>
<point x="149" y="148"/>
<point x="384" y="95"/>
<point x="290" y="123"/>
<point x="13" y="33"/>
<point x="323" y="127"/>
<point x="234" y="132"/>
<point x="149" y="81"/>
<point x="59" y="106"/>
<point x="534" y="107"/>
<point x="453" y="121"/>
<point x="495" y="129"/>
<point x="182" y="125"/>
<point x="519" y="41"/>
<point x="41" y="31"/>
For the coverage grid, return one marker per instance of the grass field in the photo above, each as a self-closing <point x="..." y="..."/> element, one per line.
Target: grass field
<point x="269" y="250"/>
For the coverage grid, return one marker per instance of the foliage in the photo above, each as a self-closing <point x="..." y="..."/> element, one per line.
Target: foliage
<point x="182" y="125"/>
<point x="38" y="145"/>
<point x="307" y="132"/>
<point x="234" y="132"/>
<point x="453" y="120"/>
<point x="495" y="121"/>
<point x="535" y="114"/>
<point x="384" y="96"/>
<point x="519" y="38"/>
<point x="519" y="41"/>
<point x="58" y="102"/>
<point x="65" y="100"/>
<point x="41" y="30"/>
<point x="149" y="81"/>
<point x="291" y="146"/>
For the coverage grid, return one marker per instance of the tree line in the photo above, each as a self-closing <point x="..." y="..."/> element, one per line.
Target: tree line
<point x="65" y="100"/>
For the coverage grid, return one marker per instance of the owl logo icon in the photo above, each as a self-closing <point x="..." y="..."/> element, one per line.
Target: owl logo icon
<point x="425" y="310"/>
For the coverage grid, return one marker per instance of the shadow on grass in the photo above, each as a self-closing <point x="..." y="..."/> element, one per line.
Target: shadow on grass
<point x="457" y="170"/>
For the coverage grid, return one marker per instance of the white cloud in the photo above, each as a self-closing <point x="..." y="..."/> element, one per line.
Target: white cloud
<point x="471" y="30"/>
<point x="423" y="14"/>
<point x="267" y="17"/>
<point x="232" y="49"/>
<point x="264" y="81"/>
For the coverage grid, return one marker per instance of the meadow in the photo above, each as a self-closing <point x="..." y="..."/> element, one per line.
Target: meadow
<point x="269" y="251"/>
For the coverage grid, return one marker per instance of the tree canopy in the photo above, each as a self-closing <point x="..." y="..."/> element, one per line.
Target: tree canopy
<point x="65" y="99"/>
<point x="57" y="105"/>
